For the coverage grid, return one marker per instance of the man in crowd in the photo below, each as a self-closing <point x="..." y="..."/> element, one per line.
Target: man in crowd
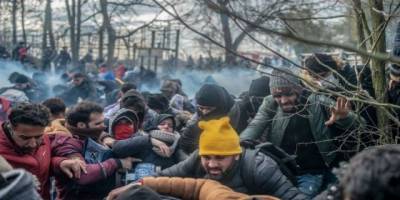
<point x="213" y="102"/>
<point x="82" y="89"/>
<point x="221" y="158"/>
<point x="301" y="125"/>
<point x="172" y="89"/>
<point x="62" y="60"/>
<point x="85" y="121"/>
<point x="23" y="145"/>
<point x="135" y="101"/>
<point x="57" y="116"/>
<point x="372" y="174"/>
<point x="47" y="58"/>
<point x="113" y="108"/>
<point x="250" y="101"/>
<point x="393" y="88"/>
<point x="21" y="91"/>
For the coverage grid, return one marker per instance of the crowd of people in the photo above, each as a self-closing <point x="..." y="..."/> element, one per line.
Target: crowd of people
<point x="285" y="138"/>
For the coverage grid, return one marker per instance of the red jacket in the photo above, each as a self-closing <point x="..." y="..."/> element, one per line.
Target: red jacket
<point x="72" y="146"/>
<point x="6" y="105"/>
<point x="39" y="163"/>
<point x="120" y="71"/>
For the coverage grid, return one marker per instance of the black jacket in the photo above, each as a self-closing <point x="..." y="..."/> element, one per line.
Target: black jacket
<point x="140" y="147"/>
<point x="213" y="96"/>
<point x="85" y="91"/>
<point x="190" y="134"/>
<point x="266" y="176"/>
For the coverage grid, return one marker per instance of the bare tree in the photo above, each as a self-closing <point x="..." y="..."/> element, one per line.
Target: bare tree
<point x="109" y="10"/>
<point x="110" y="31"/>
<point x="74" y="13"/>
<point x="14" y="20"/>
<point x="48" y="36"/>
<point x="23" y="19"/>
<point x="376" y="51"/>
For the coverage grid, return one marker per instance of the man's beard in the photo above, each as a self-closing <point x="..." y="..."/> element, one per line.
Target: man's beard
<point x="28" y="150"/>
<point x="214" y="177"/>
<point x="293" y="108"/>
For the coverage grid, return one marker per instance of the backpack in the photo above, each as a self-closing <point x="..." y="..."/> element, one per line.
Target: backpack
<point x="287" y="163"/>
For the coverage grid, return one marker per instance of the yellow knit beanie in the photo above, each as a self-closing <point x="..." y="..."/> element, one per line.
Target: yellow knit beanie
<point x="218" y="138"/>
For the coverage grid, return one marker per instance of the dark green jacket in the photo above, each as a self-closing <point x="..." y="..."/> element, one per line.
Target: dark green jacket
<point x="271" y="117"/>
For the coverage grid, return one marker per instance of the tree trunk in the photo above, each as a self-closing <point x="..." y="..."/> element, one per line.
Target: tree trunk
<point x="229" y="57"/>
<point x="14" y="21"/>
<point x="78" y="30"/>
<point x="50" y="24"/>
<point x="23" y="19"/>
<point x="358" y="11"/>
<point x="74" y="20"/>
<point x="101" y="41"/>
<point x="73" y="34"/>
<point x="45" y="27"/>
<point x="110" y="46"/>
<point x="378" y="66"/>
<point x="111" y="35"/>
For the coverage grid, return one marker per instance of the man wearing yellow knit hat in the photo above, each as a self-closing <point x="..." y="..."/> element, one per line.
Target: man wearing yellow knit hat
<point x="221" y="158"/>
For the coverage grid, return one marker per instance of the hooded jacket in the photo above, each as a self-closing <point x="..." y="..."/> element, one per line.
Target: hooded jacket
<point x="158" y="119"/>
<point x="19" y="184"/>
<point x="208" y="95"/>
<point x="267" y="176"/>
<point x="123" y="114"/>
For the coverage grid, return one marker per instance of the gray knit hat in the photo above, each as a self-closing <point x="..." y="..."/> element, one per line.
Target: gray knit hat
<point x="395" y="69"/>
<point x="283" y="78"/>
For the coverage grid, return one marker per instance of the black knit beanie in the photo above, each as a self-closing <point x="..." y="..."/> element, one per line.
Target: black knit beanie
<point x="210" y="95"/>
<point x="157" y="102"/>
<point x="214" y="96"/>
<point x="319" y="62"/>
<point x="259" y="87"/>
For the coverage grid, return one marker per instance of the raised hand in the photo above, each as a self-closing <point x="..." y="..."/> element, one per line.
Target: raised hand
<point x="340" y="111"/>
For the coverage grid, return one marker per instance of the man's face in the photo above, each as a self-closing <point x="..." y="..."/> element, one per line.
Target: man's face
<point x="167" y="92"/>
<point x="204" y="110"/>
<point x="216" y="166"/>
<point x="395" y="80"/>
<point x="22" y="85"/>
<point x="96" y="120"/>
<point x="77" y="81"/>
<point x="286" y="99"/>
<point x="27" y="137"/>
<point x="167" y="125"/>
